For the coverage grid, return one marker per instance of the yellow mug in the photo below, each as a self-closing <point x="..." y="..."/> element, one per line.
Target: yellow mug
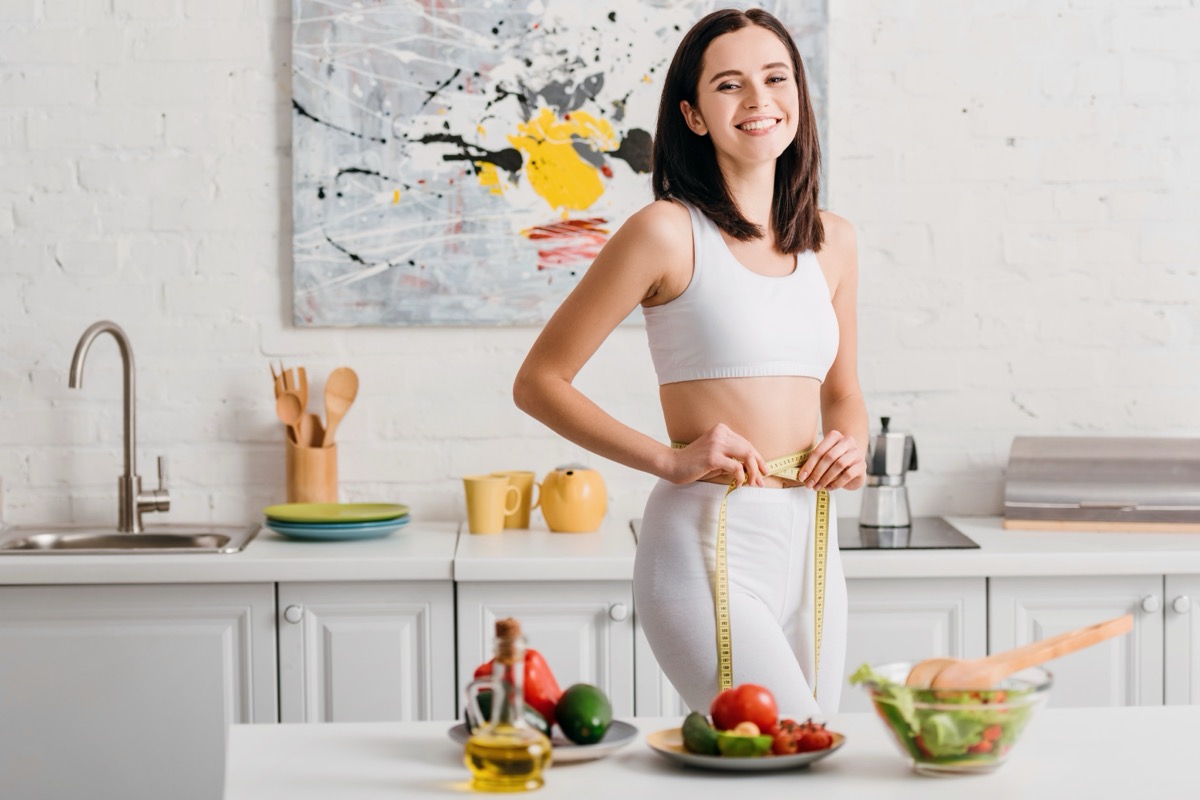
<point x="524" y="481"/>
<point x="489" y="499"/>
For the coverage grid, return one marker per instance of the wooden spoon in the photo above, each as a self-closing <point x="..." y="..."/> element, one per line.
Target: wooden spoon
<point x="984" y="673"/>
<point x="289" y="411"/>
<point x="340" y="391"/>
<point x="310" y="430"/>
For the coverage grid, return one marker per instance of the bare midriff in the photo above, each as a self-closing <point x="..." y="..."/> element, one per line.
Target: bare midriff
<point x="778" y="414"/>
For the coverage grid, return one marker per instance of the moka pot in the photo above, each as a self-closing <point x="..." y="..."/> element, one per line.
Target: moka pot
<point x="890" y="456"/>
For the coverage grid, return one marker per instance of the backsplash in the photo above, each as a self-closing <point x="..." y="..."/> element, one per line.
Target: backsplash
<point x="1024" y="184"/>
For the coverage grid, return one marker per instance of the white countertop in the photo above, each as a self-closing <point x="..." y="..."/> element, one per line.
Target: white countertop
<point x="1004" y="553"/>
<point x="419" y="551"/>
<point x="539" y="555"/>
<point x="1066" y="753"/>
<point x="437" y="551"/>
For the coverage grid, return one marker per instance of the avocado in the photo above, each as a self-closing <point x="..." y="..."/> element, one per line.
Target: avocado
<point x="583" y="713"/>
<point x="532" y="717"/>
<point x="698" y="736"/>
<point x="737" y="746"/>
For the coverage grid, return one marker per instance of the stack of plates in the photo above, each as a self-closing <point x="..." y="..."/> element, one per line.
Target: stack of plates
<point x="336" y="521"/>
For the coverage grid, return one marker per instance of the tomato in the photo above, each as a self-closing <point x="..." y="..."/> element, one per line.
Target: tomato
<point x="745" y="703"/>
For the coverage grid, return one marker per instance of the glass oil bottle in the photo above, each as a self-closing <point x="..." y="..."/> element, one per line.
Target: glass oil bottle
<point x="505" y="753"/>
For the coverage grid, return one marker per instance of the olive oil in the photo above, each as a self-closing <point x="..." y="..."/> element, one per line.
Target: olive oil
<point x="507" y="759"/>
<point x="505" y="753"/>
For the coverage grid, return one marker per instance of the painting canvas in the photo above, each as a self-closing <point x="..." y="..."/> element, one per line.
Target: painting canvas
<point x="461" y="162"/>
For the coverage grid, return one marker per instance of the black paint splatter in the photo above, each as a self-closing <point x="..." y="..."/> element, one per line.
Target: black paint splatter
<point x="635" y="150"/>
<point x="440" y="86"/>
<point x="507" y="159"/>
<point x="302" y="111"/>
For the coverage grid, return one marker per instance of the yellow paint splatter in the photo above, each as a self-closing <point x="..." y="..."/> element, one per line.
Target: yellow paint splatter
<point x="489" y="177"/>
<point x="645" y="79"/>
<point x="395" y="196"/>
<point x="556" y="171"/>
<point x="481" y="130"/>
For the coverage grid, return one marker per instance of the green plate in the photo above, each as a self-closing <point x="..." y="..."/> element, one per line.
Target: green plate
<point x="335" y="512"/>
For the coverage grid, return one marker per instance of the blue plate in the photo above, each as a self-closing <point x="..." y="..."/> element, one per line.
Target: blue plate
<point x="336" y="533"/>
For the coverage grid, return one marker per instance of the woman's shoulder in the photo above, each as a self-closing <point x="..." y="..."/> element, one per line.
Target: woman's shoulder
<point x="662" y="221"/>
<point x="840" y="237"/>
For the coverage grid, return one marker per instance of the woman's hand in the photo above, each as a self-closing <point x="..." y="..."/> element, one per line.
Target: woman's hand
<point x="720" y="453"/>
<point x="835" y="463"/>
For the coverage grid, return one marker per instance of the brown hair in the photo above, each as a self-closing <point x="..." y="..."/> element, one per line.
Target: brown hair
<point x="685" y="164"/>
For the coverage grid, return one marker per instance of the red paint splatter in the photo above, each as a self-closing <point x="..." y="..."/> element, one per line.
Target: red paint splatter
<point x="607" y="170"/>
<point x="581" y="240"/>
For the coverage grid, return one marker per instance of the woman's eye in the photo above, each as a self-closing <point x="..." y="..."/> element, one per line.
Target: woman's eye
<point x="777" y="79"/>
<point x="725" y="86"/>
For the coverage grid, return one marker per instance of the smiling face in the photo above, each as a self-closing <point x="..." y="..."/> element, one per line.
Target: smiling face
<point x="746" y="99"/>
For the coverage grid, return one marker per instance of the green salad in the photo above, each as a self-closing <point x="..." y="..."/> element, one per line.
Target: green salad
<point x="949" y="726"/>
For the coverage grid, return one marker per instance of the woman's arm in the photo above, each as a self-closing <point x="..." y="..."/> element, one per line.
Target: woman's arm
<point x="652" y="245"/>
<point x="838" y="462"/>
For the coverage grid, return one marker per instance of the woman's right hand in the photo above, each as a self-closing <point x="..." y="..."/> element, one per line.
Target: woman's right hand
<point x="719" y="453"/>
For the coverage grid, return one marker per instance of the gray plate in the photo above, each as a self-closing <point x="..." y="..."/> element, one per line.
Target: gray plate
<point x="669" y="744"/>
<point x="565" y="752"/>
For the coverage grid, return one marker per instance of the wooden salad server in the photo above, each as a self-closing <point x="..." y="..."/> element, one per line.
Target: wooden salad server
<point x="340" y="390"/>
<point x="984" y="673"/>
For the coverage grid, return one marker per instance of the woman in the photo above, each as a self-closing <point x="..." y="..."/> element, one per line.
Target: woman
<point x="749" y="295"/>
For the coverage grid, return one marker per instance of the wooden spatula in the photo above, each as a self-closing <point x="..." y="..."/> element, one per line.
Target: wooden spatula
<point x="340" y="391"/>
<point x="984" y="673"/>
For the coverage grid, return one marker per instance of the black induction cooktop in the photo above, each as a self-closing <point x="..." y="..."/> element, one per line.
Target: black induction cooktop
<point x="925" y="533"/>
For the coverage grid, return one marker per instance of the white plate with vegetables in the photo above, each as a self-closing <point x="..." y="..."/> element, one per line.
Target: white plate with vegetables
<point x="669" y="744"/>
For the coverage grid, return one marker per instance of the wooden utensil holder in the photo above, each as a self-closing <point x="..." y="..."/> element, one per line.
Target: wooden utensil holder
<point x="311" y="474"/>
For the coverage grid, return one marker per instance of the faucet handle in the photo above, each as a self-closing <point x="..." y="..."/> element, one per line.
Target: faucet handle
<point x="162" y="498"/>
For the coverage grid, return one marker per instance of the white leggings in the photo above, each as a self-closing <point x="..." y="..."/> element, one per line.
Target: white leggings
<point x="769" y="548"/>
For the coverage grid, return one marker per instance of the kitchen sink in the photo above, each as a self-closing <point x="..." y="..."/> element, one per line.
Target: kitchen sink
<point x="92" y="540"/>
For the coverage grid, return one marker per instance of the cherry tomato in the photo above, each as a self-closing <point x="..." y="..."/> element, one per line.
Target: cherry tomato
<point x="745" y="703"/>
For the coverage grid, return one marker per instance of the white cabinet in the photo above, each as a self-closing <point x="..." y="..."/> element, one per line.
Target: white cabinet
<point x="1126" y="670"/>
<point x="909" y="619"/>
<point x="1182" y="630"/>
<point x="366" y="652"/>
<point x="583" y="628"/>
<point x="128" y="691"/>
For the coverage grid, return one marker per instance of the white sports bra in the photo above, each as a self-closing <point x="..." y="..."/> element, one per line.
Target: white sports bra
<point x="733" y="323"/>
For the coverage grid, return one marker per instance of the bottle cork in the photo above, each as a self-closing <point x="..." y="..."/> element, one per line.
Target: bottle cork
<point x="508" y="631"/>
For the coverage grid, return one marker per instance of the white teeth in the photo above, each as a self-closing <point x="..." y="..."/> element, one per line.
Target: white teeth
<point x="759" y="124"/>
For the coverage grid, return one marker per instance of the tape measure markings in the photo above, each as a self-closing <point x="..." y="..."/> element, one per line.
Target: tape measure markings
<point x="787" y="467"/>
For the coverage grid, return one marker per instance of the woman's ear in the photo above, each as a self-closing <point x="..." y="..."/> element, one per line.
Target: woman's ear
<point x="691" y="115"/>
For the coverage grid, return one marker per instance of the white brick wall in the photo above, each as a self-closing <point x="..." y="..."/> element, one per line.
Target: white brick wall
<point x="1024" y="177"/>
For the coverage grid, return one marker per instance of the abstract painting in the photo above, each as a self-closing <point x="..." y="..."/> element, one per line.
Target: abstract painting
<point x="461" y="162"/>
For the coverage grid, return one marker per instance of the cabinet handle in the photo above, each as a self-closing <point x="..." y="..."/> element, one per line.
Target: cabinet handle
<point x="617" y="612"/>
<point x="293" y="613"/>
<point x="1182" y="604"/>
<point x="1151" y="603"/>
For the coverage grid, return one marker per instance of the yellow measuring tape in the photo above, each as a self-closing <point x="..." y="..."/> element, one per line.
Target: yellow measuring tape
<point x="784" y="467"/>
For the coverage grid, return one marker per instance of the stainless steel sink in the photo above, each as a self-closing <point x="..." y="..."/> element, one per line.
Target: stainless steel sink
<point x="78" y="540"/>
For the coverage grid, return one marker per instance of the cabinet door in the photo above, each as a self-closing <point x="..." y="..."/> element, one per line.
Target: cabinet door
<point x="366" y="652"/>
<point x="583" y="628"/>
<point x="128" y="691"/>
<point x="1182" y="625"/>
<point x="1125" y="671"/>
<point x="911" y="619"/>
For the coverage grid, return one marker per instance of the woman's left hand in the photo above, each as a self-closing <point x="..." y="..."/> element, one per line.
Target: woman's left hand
<point x="835" y="463"/>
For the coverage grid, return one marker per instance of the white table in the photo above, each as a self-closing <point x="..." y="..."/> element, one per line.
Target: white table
<point x="1145" y="752"/>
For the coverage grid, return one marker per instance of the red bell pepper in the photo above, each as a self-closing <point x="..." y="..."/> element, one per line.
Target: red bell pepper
<point x="541" y="689"/>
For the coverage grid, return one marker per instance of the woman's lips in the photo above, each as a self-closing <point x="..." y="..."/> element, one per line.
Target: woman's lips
<point x="758" y="125"/>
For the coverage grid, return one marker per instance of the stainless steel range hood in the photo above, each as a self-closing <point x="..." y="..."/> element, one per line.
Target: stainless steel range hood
<point x="1103" y="483"/>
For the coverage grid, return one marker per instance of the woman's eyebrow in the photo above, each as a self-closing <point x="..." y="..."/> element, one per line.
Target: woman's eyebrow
<point x="734" y="72"/>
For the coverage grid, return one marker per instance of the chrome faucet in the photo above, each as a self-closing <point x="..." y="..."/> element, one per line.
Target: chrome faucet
<point x="131" y="501"/>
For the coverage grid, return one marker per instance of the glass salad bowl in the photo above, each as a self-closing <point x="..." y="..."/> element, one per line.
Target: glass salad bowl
<point x="954" y="731"/>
